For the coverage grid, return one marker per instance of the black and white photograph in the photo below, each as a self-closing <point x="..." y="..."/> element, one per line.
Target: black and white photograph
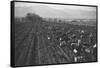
<point x="53" y="33"/>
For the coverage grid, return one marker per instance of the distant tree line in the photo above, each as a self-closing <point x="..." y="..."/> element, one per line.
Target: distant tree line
<point x="33" y="17"/>
<point x="30" y="17"/>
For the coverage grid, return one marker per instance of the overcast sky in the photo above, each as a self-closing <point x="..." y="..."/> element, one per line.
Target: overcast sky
<point x="61" y="7"/>
<point x="92" y="10"/>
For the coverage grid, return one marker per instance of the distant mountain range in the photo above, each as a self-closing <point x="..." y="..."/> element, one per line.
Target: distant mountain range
<point x="46" y="11"/>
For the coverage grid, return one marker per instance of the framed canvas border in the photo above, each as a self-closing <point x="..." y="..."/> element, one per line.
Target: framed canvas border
<point x="12" y="32"/>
